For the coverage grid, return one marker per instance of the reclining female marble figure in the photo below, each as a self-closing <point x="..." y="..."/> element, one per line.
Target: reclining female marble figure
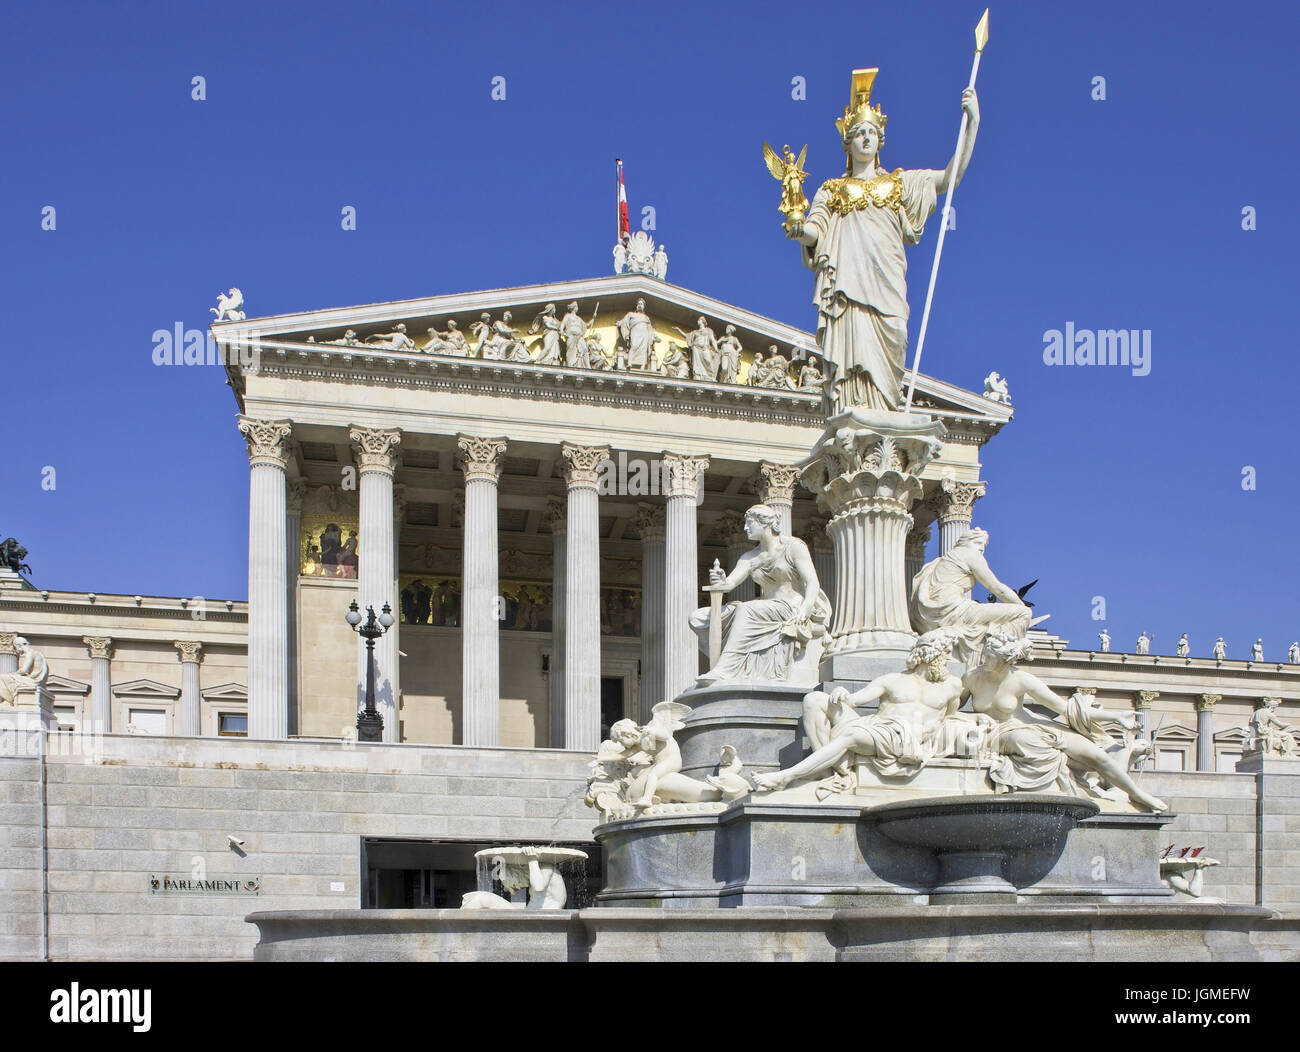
<point x="762" y="637"/>
<point x="941" y="598"/>
<point x="913" y="723"/>
<point x="638" y="766"/>
<point x="1032" y="753"/>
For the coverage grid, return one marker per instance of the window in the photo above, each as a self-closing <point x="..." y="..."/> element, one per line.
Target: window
<point x="66" y="715"/>
<point x="1225" y="761"/>
<point x="146" y="721"/>
<point x="232" y="724"/>
<point x="1171" y="760"/>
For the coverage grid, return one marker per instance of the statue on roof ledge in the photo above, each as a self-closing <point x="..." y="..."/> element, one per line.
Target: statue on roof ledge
<point x="636" y="254"/>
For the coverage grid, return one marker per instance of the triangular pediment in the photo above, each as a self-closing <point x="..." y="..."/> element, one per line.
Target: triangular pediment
<point x="368" y="332"/>
<point x="226" y="692"/>
<point x="64" y="685"/>
<point x="141" y="688"/>
<point x="1171" y="733"/>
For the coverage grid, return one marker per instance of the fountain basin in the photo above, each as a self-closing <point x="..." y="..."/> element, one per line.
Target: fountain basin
<point x="973" y="837"/>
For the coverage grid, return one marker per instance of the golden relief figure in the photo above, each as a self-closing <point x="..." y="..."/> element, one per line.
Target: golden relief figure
<point x="789" y="172"/>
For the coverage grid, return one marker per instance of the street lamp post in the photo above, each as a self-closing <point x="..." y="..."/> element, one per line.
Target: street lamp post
<point x="370" y="725"/>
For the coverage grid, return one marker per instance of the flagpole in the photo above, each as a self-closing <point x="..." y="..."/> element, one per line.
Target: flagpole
<point x="981" y="38"/>
<point x="618" y="199"/>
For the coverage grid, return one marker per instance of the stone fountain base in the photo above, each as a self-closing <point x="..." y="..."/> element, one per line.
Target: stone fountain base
<point x="1027" y="931"/>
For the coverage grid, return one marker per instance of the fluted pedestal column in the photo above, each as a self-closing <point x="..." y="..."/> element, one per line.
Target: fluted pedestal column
<point x="956" y="507"/>
<point x="650" y="524"/>
<point x="480" y="459"/>
<point x="8" y="654"/>
<point x="775" y="485"/>
<point x="1205" y="730"/>
<point x="865" y="471"/>
<point x="557" y="517"/>
<point x="268" y="589"/>
<point x="376" y="453"/>
<point x="101" y="684"/>
<point x="823" y="553"/>
<point x="730" y="531"/>
<point x="582" y="598"/>
<point x="681" y="578"/>
<point x="189" y="718"/>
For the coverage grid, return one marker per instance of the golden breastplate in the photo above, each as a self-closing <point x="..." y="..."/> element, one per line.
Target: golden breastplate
<point x="884" y="190"/>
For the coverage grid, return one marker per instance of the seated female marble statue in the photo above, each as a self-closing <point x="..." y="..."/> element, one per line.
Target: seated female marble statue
<point x="763" y="637"/>
<point x="1036" y="754"/>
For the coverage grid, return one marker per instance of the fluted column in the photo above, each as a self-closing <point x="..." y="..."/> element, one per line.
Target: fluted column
<point x="823" y="553"/>
<point x="650" y="523"/>
<point x="557" y="517"/>
<point x="8" y="652"/>
<point x="399" y="517"/>
<point x="1205" y="730"/>
<point x="918" y="537"/>
<point x="101" y="683"/>
<point x="681" y="577"/>
<point x="1142" y="705"/>
<point x="775" y="485"/>
<point x="189" y="719"/>
<point x="730" y="531"/>
<point x="956" y="507"/>
<point x="481" y="460"/>
<point x="582" y="599"/>
<point x="295" y="491"/>
<point x="376" y="453"/>
<point x="268" y="588"/>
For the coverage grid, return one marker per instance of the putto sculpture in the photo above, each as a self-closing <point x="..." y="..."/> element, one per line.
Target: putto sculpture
<point x="639" y="767"/>
<point x="763" y="639"/>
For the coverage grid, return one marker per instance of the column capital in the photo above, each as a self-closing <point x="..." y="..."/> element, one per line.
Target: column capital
<point x="730" y="528"/>
<point x="1143" y="698"/>
<point x="375" y="448"/>
<point x="958" y="499"/>
<point x="98" y="646"/>
<point x="556" y="515"/>
<point x="774" y="483"/>
<point x="1090" y="691"/>
<point x="480" y="458"/>
<point x="685" y="474"/>
<point x="268" y="441"/>
<point x="1263" y="703"/>
<point x="7" y="643"/>
<point x="917" y="539"/>
<point x="1206" y="702"/>
<point x="581" y="465"/>
<point x="294" y="494"/>
<point x="650" y="521"/>
<point x="188" y="650"/>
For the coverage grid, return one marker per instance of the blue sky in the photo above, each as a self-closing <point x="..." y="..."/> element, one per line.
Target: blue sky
<point x="1122" y="213"/>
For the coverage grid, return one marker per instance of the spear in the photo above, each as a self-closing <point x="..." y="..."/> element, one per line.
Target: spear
<point x="981" y="38"/>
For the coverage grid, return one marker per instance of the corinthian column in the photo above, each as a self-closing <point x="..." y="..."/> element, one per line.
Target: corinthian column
<point x="956" y="505"/>
<point x="101" y="684"/>
<point x="1205" y="730"/>
<point x="823" y="554"/>
<point x="296" y="490"/>
<point x="730" y="530"/>
<point x="481" y="460"/>
<point x="1142" y="704"/>
<point x="268" y="579"/>
<point x="685" y="478"/>
<point x="557" y="517"/>
<point x="582" y="598"/>
<point x="649" y="522"/>
<point x="376" y="453"/>
<point x="8" y="652"/>
<point x="774" y="485"/>
<point x="189" y="720"/>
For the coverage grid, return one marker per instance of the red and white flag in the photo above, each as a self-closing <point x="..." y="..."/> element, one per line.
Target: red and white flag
<point x="624" y="228"/>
